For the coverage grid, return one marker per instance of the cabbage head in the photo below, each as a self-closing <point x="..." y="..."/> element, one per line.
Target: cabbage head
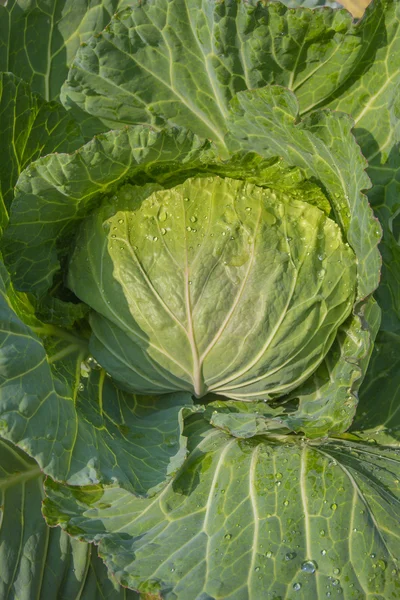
<point x="213" y="285"/>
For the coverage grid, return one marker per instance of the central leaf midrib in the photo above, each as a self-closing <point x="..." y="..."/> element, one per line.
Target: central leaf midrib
<point x="198" y="384"/>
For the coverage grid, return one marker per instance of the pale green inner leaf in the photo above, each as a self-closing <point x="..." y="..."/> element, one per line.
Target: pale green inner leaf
<point x="214" y="285"/>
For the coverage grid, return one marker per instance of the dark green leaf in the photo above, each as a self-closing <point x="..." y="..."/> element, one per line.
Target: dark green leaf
<point x="29" y="128"/>
<point x="246" y="516"/>
<point x="39" y="39"/>
<point x="37" y="561"/>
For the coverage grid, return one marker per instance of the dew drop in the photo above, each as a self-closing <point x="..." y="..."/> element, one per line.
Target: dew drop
<point x="336" y="571"/>
<point x="268" y="554"/>
<point x="290" y="555"/>
<point x="113" y="236"/>
<point x="162" y="214"/>
<point x="381" y="564"/>
<point x="81" y="387"/>
<point x="155" y="238"/>
<point x="309" y="566"/>
<point x="286" y="503"/>
<point x="193" y="219"/>
<point x="188" y="228"/>
<point x="228" y="536"/>
<point x="297" y="586"/>
<point x="257" y="569"/>
<point x="334" y="506"/>
<point x="322" y="532"/>
<point x="163" y="231"/>
<point x="120" y="221"/>
<point x="248" y="209"/>
<point x="323" y="552"/>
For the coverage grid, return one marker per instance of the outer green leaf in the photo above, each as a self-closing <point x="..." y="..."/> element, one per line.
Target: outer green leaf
<point x="327" y="67"/>
<point x="36" y="561"/>
<point x="328" y="400"/>
<point x="70" y="417"/>
<point x="39" y="38"/>
<point x="173" y="277"/>
<point x="184" y="61"/>
<point x="371" y="91"/>
<point x="378" y="417"/>
<point x="244" y="519"/>
<point x="29" y="128"/>
<point x="194" y="57"/>
<point x="372" y="97"/>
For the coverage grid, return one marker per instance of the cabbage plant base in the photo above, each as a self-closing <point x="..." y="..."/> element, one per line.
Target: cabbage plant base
<point x="190" y="414"/>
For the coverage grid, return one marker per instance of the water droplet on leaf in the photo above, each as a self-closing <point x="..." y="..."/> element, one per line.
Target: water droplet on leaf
<point x="297" y="586"/>
<point x="290" y="555"/>
<point x="309" y="566"/>
<point x="162" y="214"/>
